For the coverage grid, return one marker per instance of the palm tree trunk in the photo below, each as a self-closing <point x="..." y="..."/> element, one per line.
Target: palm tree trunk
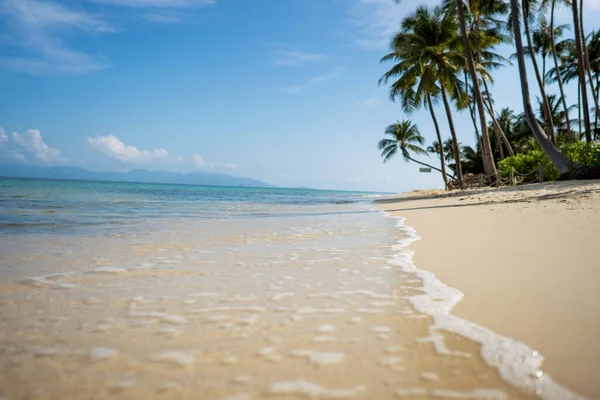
<point x="546" y="106"/>
<point x="497" y="128"/>
<point x="558" y="159"/>
<point x="579" y="109"/>
<point x="586" y="58"/>
<point x="597" y="110"/>
<point x="581" y="71"/>
<point x="558" y="74"/>
<point x="471" y="109"/>
<point x="439" y="138"/>
<point x="544" y="71"/>
<point x="488" y="158"/>
<point x="455" y="148"/>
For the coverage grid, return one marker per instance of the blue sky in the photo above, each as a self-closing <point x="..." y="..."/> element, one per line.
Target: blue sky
<point x="279" y="90"/>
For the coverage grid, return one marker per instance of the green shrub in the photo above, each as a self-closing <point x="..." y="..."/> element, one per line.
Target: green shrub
<point x="583" y="153"/>
<point x="527" y="164"/>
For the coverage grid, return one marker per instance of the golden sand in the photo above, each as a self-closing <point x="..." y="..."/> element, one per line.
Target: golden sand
<point x="527" y="260"/>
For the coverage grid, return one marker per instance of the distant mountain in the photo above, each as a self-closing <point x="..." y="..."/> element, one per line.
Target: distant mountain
<point x="136" y="175"/>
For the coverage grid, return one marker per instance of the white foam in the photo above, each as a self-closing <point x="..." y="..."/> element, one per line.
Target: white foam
<point x="102" y="353"/>
<point x="517" y="363"/>
<point x="177" y="357"/>
<point x="321" y="339"/>
<point x="381" y="329"/>
<point x="127" y="383"/>
<point x="266" y="351"/>
<point x="218" y="318"/>
<point x="239" y="396"/>
<point x="164" y="317"/>
<point x="389" y="360"/>
<point x="430" y="376"/>
<point x="241" y="378"/>
<point x="205" y="294"/>
<point x="109" y="270"/>
<point x="319" y="358"/>
<point x="382" y="303"/>
<point x="230" y="360"/>
<point x="280" y="296"/>
<point x="313" y="310"/>
<point x="309" y="389"/>
<point x="393" y="349"/>
<point x="325" y="328"/>
<point x="228" y="308"/>
<point x="370" y="310"/>
<point x="478" y="394"/>
<point x="411" y="392"/>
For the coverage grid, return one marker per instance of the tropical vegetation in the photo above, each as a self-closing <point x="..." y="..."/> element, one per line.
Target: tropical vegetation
<point x="443" y="58"/>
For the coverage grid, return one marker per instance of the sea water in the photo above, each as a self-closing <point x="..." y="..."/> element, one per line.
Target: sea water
<point x="127" y="290"/>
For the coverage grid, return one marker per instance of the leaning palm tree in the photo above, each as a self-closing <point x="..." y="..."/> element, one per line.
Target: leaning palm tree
<point x="561" y="162"/>
<point x="429" y="60"/>
<point x="404" y="137"/>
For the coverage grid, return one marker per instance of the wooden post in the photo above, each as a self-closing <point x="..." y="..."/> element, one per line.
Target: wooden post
<point x="480" y="180"/>
<point x="541" y="173"/>
<point x="511" y="176"/>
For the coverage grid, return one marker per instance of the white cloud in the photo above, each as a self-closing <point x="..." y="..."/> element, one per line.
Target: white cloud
<point x="32" y="143"/>
<point x="327" y="77"/>
<point x="38" y="27"/>
<point x="162" y="18"/>
<point x="231" y="166"/>
<point x="198" y="160"/>
<point x="112" y="147"/>
<point x="292" y="89"/>
<point x="157" y="3"/>
<point x="376" y="21"/>
<point x="371" y="102"/>
<point x="18" y="156"/>
<point x="293" y="58"/>
<point x="3" y="137"/>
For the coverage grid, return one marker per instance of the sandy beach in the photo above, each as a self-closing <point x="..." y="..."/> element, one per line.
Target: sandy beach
<point x="526" y="260"/>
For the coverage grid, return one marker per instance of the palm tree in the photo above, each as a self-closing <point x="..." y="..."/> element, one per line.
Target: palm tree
<point x="542" y="40"/>
<point x="558" y="159"/>
<point x="579" y="49"/>
<point x="488" y="158"/>
<point x="429" y="60"/>
<point x="404" y="137"/>
<point x="561" y="123"/>
<point x="485" y="32"/>
<point x="553" y="48"/>
<point x="528" y="15"/>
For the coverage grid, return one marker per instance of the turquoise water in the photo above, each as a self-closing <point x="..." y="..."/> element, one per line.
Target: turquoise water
<point x="37" y="205"/>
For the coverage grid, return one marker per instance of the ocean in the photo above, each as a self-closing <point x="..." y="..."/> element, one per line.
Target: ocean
<point x="127" y="290"/>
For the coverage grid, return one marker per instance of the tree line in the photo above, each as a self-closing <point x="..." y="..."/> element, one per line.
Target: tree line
<point x="447" y="54"/>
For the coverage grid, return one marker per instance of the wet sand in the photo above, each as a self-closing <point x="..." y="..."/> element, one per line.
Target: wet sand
<point x="308" y="306"/>
<point x="527" y="261"/>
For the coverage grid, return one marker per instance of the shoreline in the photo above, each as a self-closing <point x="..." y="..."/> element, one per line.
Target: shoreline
<point x="521" y="292"/>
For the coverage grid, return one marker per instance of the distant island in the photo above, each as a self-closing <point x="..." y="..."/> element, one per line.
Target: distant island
<point x="136" y="175"/>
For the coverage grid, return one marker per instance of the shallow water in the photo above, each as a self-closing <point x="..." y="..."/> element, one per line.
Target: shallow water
<point x="144" y="291"/>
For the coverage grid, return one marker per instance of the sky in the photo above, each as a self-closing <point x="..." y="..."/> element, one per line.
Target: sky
<point x="285" y="91"/>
